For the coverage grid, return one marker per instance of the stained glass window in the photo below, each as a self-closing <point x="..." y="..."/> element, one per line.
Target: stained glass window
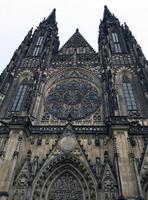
<point x="38" y="46"/>
<point x="73" y="97"/>
<point x="115" y="44"/>
<point x="36" y="51"/>
<point x="129" y="96"/>
<point x="40" y="40"/>
<point x="19" y="98"/>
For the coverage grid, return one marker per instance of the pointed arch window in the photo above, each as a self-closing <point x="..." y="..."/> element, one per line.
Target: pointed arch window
<point x="40" y="40"/>
<point x="38" y="46"/>
<point x="115" y="43"/>
<point x="129" y="95"/>
<point x="19" y="98"/>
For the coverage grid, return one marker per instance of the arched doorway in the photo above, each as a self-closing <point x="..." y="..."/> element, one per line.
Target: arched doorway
<point x="64" y="178"/>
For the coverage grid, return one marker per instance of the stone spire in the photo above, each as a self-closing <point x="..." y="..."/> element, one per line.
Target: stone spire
<point x="107" y="13"/>
<point x="51" y="19"/>
<point x="108" y="16"/>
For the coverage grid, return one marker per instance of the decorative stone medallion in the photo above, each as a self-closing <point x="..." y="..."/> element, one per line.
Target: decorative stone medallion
<point x="77" y="98"/>
<point x="67" y="143"/>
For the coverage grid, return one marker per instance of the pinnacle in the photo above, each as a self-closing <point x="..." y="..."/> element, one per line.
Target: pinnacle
<point x="52" y="17"/>
<point x="107" y="13"/>
<point x="77" y="30"/>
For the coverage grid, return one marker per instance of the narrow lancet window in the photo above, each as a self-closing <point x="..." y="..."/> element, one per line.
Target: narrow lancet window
<point x="115" y="44"/>
<point x="129" y="95"/>
<point x="38" y="46"/>
<point x="40" y="40"/>
<point x="19" y="98"/>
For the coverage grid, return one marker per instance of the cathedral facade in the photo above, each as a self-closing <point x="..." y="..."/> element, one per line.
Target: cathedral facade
<point x="73" y="121"/>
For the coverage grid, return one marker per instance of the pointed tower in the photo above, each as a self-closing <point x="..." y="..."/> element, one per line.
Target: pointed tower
<point x="123" y="69"/>
<point x="25" y="73"/>
<point x="124" y="96"/>
<point x="138" y="59"/>
<point x="45" y="42"/>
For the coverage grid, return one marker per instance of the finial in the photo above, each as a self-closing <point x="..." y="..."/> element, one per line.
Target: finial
<point x="69" y="118"/>
<point x="126" y="26"/>
<point x="52" y="17"/>
<point x="107" y="13"/>
<point x="30" y="31"/>
<point x="77" y="30"/>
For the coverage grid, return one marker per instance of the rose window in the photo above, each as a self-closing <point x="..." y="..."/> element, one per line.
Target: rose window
<point x="72" y="97"/>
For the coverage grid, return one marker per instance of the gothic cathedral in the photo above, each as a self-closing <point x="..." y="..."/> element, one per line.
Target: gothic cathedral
<point x="73" y="121"/>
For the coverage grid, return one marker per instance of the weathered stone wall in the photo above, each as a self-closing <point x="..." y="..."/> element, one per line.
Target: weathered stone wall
<point x="113" y="158"/>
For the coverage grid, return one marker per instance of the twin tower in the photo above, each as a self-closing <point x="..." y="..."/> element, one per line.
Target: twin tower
<point x="73" y="121"/>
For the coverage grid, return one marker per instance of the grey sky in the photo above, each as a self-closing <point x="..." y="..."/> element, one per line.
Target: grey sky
<point x="18" y="16"/>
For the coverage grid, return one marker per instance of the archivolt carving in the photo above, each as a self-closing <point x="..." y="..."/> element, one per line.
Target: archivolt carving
<point x="120" y="71"/>
<point x="25" y="74"/>
<point x="62" y="175"/>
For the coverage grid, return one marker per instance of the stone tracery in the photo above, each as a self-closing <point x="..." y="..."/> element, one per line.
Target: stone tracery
<point x="66" y="187"/>
<point x="78" y="98"/>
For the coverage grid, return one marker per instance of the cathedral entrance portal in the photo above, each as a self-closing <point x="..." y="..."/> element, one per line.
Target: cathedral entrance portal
<point x="66" y="187"/>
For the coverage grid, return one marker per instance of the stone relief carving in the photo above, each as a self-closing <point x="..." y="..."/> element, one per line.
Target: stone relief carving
<point x="66" y="187"/>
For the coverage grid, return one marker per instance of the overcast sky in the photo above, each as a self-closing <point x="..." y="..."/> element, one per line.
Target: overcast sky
<point x="18" y="16"/>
